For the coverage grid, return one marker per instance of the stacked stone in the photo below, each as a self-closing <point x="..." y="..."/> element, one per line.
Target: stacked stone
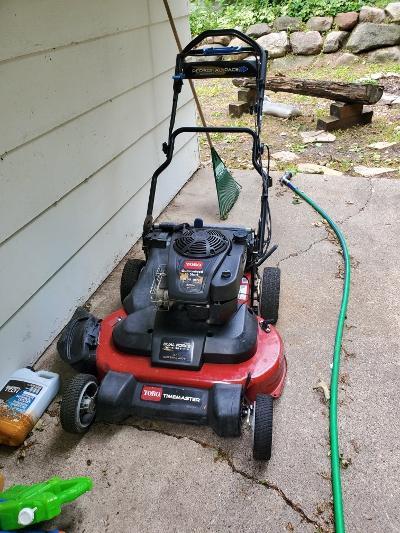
<point x="372" y="32"/>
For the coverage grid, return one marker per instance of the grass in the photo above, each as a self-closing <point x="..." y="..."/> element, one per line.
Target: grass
<point x="347" y="73"/>
<point x="298" y="148"/>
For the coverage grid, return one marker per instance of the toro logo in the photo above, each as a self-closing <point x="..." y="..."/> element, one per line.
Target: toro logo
<point x="151" y="394"/>
<point x="193" y="265"/>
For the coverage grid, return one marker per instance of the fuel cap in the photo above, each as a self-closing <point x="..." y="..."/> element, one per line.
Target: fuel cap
<point x="240" y="236"/>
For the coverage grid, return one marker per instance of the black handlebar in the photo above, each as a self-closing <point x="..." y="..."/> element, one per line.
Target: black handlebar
<point x="221" y="33"/>
<point x="191" y="70"/>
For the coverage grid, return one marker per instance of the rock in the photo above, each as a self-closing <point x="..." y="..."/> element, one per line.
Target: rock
<point x="306" y="43"/>
<point x="393" y="11"/>
<point x="277" y="44"/>
<point x="346" y="59"/>
<point x="381" y="145"/>
<point x="388" y="99"/>
<point x="383" y="55"/>
<point x="372" y="14"/>
<point x="334" y="40"/>
<point x="258" y="30"/>
<point x="285" y="156"/>
<point x="369" y="35"/>
<point x="318" y="136"/>
<point x="332" y="172"/>
<point x="290" y="62"/>
<point x="369" y="172"/>
<point x="346" y="21"/>
<point x="310" y="168"/>
<point x="320" y="23"/>
<point x="237" y="42"/>
<point x="325" y="60"/>
<point x="223" y="40"/>
<point x="280" y="110"/>
<point x="287" y="23"/>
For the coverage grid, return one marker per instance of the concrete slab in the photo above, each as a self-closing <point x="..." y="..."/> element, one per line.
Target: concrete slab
<point x="154" y="475"/>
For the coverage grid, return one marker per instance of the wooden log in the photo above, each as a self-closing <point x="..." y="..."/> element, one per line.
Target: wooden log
<point x="361" y="93"/>
<point x="237" y="109"/>
<point x="342" y="110"/>
<point x="248" y="95"/>
<point x="344" y="116"/>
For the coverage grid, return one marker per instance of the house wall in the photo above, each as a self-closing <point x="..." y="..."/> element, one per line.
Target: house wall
<point x="85" y="97"/>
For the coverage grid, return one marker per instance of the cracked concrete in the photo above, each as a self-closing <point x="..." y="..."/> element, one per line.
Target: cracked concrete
<point x="154" y="475"/>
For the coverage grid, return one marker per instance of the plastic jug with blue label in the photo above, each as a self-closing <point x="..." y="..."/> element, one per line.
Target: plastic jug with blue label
<point x="23" y="400"/>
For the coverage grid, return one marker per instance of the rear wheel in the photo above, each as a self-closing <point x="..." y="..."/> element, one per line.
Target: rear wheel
<point x="269" y="299"/>
<point x="263" y="417"/>
<point x="130" y="275"/>
<point x="78" y="405"/>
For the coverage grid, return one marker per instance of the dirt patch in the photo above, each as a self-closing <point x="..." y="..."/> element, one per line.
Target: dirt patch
<point x="349" y="149"/>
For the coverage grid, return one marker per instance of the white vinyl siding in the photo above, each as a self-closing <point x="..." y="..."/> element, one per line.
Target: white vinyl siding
<point x="85" y="97"/>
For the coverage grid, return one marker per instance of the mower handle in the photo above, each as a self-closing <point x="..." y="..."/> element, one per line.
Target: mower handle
<point x="200" y="129"/>
<point x="221" y="33"/>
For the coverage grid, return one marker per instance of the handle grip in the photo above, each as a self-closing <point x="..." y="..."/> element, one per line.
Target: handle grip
<point x="225" y="50"/>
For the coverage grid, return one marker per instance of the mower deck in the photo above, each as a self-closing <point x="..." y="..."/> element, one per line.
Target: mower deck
<point x="263" y="373"/>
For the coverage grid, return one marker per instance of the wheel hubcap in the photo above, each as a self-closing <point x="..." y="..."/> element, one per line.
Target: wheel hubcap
<point x="87" y="404"/>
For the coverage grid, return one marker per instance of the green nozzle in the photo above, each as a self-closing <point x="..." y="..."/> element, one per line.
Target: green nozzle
<point x="24" y="505"/>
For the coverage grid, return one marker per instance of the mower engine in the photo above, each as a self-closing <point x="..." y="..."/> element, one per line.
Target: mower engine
<point x="183" y="309"/>
<point x="202" y="274"/>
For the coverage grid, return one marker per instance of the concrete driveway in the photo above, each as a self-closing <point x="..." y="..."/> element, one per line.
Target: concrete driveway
<point x="163" y="477"/>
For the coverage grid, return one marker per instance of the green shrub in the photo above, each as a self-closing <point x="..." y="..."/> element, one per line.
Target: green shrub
<point x="210" y="14"/>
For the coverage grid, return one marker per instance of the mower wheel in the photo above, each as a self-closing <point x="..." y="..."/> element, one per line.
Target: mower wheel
<point x="269" y="299"/>
<point x="263" y="416"/>
<point x="78" y="405"/>
<point x="130" y="275"/>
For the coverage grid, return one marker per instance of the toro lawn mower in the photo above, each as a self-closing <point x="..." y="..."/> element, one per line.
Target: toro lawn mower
<point x="195" y="339"/>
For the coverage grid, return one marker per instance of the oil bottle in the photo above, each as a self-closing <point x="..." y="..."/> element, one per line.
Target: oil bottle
<point x="23" y="400"/>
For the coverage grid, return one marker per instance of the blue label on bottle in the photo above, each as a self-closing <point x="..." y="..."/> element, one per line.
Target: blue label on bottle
<point x="19" y="395"/>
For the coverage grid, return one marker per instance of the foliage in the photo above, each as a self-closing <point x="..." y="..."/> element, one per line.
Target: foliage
<point x="207" y="14"/>
<point x="210" y="14"/>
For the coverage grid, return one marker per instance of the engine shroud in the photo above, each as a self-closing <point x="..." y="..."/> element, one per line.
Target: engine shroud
<point x="184" y="310"/>
<point x="205" y="267"/>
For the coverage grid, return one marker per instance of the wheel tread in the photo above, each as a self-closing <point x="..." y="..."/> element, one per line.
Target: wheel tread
<point x="69" y="402"/>
<point x="130" y="275"/>
<point x="263" y="427"/>
<point x="270" y="290"/>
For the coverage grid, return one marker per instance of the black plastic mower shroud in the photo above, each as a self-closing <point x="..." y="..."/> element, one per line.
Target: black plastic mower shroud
<point x="121" y="396"/>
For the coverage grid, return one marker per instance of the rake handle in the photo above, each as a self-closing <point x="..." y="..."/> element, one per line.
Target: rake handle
<point x="178" y="43"/>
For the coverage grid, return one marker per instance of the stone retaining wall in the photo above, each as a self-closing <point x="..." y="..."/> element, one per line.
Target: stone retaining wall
<point x="372" y="34"/>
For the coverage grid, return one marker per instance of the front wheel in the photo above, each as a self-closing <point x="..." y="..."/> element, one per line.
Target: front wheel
<point x="262" y="427"/>
<point x="78" y="405"/>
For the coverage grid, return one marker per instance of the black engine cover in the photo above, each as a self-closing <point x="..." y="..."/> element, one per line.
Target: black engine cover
<point x="183" y="310"/>
<point x="205" y="266"/>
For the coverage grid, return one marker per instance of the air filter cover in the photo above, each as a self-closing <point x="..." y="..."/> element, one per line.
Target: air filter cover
<point x="201" y="243"/>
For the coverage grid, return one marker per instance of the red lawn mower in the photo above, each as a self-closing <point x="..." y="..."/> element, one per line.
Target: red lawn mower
<point x="194" y="340"/>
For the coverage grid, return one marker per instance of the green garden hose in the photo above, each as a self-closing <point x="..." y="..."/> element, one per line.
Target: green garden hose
<point x="333" y="423"/>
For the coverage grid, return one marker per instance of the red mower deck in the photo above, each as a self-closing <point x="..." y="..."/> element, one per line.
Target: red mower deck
<point x="267" y="368"/>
